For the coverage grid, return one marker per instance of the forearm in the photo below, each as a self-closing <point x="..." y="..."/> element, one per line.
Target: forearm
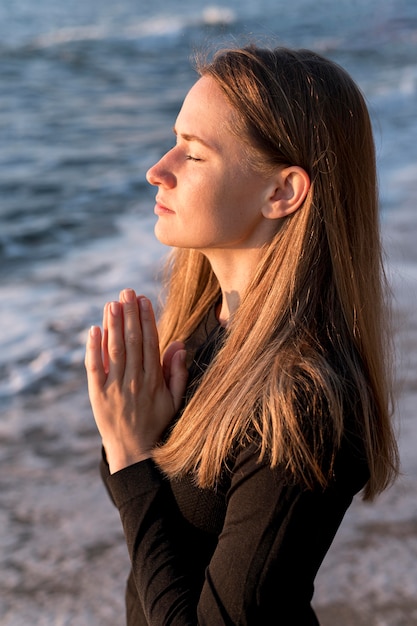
<point x="150" y="521"/>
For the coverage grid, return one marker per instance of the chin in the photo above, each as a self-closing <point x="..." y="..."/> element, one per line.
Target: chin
<point x="165" y="237"/>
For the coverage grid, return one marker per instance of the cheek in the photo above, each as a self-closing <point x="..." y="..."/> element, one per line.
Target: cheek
<point x="222" y="199"/>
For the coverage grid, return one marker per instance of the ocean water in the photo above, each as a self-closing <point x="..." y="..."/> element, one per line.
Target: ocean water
<point x="89" y="91"/>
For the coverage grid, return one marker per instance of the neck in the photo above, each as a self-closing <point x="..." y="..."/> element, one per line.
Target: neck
<point x="227" y="306"/>
<point x="234" y="272"/>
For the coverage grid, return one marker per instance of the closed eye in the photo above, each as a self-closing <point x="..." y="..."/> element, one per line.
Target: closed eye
<point x="191" y="158"/>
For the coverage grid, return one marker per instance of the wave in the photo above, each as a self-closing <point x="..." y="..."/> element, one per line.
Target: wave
<point x="162" y="25"/>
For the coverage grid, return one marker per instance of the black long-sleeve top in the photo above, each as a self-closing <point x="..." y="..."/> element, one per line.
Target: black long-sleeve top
<point x="245" y="553"/>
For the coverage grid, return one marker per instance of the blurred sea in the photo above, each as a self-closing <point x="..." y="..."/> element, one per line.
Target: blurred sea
<point x="89" y="91"/>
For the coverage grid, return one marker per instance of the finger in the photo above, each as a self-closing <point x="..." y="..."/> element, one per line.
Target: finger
<point x="104" y="341"/>
<point x="178" y="378"/>
<point x="151" y="354"/>
<point x="96" y="375"/>
<point x="116" y="343"/>
<point x="132" y="333"/>
<point x="167" y="358"/>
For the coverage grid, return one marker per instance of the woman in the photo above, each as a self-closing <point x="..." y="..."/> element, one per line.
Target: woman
<point x="233" y="463"/>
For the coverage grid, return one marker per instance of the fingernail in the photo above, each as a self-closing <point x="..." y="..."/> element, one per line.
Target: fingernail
<point x="114" y="308"/>
<point x="94" y="331"/>
<point x="129" y="295"/>
<point x="144" y="304"/>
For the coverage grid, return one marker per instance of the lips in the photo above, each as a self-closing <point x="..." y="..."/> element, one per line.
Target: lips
<point x="162" y="209"/>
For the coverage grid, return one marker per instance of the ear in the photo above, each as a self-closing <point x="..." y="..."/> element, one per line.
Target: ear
<point x="290" y="188"/>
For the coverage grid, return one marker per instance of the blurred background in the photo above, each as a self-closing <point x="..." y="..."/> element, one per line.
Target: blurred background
<point x="89" y="91"/>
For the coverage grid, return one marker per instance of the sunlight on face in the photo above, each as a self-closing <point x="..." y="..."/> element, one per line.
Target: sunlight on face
<point x="209" y="197"/>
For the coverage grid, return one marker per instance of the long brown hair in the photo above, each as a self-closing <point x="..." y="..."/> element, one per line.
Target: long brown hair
<point x="310" y="335"/>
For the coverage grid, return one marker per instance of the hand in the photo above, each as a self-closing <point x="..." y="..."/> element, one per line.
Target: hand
<point x="133" y="396"/>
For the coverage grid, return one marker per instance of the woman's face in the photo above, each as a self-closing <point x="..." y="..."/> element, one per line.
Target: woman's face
<point x="209" y="197"/>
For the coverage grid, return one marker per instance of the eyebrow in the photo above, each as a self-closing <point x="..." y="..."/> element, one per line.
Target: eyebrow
<point x="188" y="137"/>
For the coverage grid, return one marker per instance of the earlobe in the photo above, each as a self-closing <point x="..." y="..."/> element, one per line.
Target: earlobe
<point x="290" y="190"/>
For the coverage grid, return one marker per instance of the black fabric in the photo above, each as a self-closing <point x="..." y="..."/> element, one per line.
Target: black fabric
<point x="245" y="553"/>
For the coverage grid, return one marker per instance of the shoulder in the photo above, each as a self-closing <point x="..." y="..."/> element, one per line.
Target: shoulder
<point x="349" y="468"/>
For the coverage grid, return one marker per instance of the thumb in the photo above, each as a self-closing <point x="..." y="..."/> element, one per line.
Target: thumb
<point x="178" y="377"/>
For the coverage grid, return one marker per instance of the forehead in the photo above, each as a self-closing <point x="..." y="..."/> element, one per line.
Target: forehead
<point x="205" y="106"/>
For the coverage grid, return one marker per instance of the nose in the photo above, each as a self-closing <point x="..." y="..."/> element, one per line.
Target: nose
<point x="160" y="175"/>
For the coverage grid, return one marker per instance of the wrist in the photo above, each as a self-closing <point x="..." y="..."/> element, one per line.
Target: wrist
<point x="119" y="460"/>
